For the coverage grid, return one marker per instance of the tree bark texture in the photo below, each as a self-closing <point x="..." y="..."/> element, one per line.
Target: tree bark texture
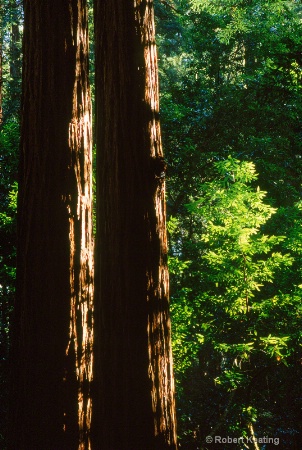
<point x="133" y="399"/>
<point x="52" y="330"/>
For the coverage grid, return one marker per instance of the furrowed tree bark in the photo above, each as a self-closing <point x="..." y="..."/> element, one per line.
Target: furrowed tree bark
<point x="52" y="331"/>
<point x="133" y="397"/>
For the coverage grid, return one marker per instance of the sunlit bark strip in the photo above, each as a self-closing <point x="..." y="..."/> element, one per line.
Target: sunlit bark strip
<point x="159" y="334"/>
<point x="52" y="339"/>
<point x="81" y="252"/>
<point x="134" y="391"/>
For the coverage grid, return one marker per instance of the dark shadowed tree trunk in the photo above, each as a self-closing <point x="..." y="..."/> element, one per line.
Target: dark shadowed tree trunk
<point x="134" y="392"/>
<point x="52" y="337"/>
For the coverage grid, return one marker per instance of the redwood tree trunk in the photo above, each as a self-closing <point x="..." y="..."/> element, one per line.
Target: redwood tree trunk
<point x="134" y="405"/>
<point x="52" y="337"/>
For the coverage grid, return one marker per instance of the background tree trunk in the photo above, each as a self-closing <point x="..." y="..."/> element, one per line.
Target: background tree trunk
<point x="134" y="392"/>
<point x="52" y="338"/>
<point x="1" y="60"/>
<point x="1" y="81"/>
<point x="15" y="56"/>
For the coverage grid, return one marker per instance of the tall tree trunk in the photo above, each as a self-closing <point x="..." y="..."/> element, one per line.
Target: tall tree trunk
<point x="15" y="56"/>
<point x="52" y="330"/>
<point x="134" y="392"/>
<point x="1" y="81"/>
<point x="1" y="61"/>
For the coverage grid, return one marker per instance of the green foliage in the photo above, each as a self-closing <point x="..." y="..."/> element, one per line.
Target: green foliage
<point x="238" y="94"/>
<point x="231" y="322"/>
<point x="231" y="215"/>
<point x="9" y="138"/>
<point x="230" y="78"/>
<point x="10" y="37"/>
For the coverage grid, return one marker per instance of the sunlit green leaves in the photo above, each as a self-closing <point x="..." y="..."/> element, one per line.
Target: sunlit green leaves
<point x="234" y="319"/>
<point x="230" y="78"/>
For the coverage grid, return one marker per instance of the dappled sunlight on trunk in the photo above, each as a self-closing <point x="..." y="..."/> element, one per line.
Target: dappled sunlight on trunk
<point x="80" y="235"/>
<point x="159" y="326"/>
<point x="134" y="403"/>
